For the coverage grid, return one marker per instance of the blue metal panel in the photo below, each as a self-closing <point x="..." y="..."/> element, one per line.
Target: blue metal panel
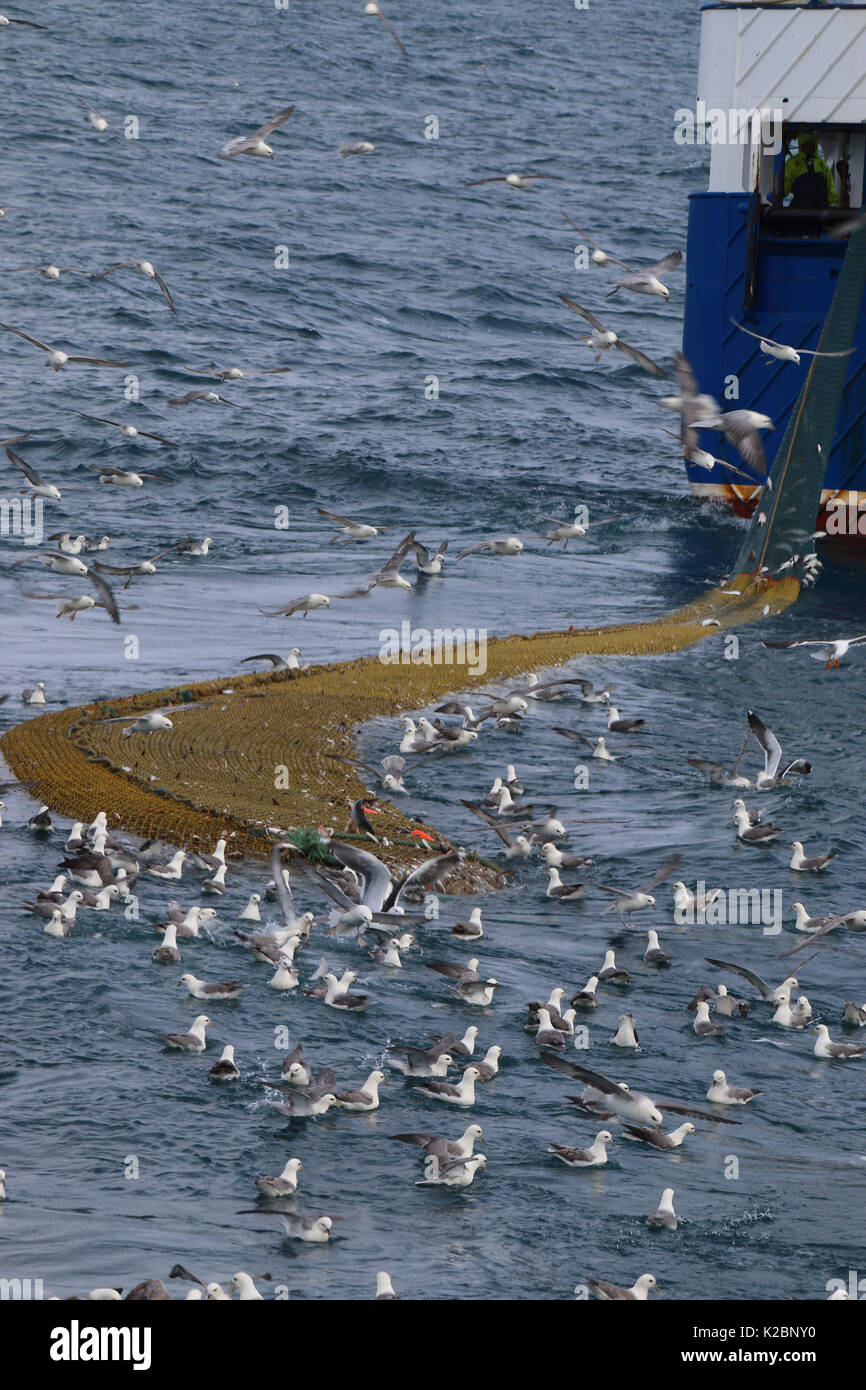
<point x="795" y="282"/>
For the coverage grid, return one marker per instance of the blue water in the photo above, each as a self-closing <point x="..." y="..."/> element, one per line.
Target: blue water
<point x="398" y="273"/>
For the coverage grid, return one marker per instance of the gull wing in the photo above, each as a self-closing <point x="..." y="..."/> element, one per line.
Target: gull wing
<point x="396" y="560"/>
<point x="284" y="892"/>
<point x="166" y="293"/>
<point x="334" y="516"/>
<point x="827" y="926"/>
<point x="390" y="28"/>
<point x="275" y="121"/>
<point x="495" y="825"/>
<point x="769" y="743"/>
<point x="578" y="1073"/>
<point x="101" y="274"/>
<point x="375" y="874"/>
<point x="668" y="262"/>
<point x="26" y="336"/>
<point x="584" y="314"/>
<point x="641" y="359"/>
<point x="106" y="597"/>
<point x="660" y="874"/>
<point x="573" y="734"/>
<point x="97" y="361"/>
<point x="426" y="874"/>
<point x="760" y="985"/>
<point x="678" y="1108"/>
<point x="612" y="259"/>
<point x="746" y="441"/>
<point x="26" y="468"/>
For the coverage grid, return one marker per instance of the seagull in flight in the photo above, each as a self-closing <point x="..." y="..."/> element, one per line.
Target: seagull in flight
<point x="235" y="373"/>
<point x="57" y="358"/>
<point x="350" y="530"/>
<point x="603" y="339"/>
<point x="782" y="352"/>
<point x="647" y="281"/>
<point x="831" y="651"/>
<point x="703" y="412"/>
<point x="129" y="431"/>
<point x="255" y="144"/>
<point x="145" y="268"/>
<point x="98" y="122"/>
<point x="38" y="485"/>
<point x="48" y="272"/>
<point x="599" y="257"/>
<point x="209" y="398"/>
<point x="371" y="8"/>
<point x="702" y="459"/>
<point x="124" y="477"/>
<point x="69" y="564"/>
<point x="507" y="545"/>
<point x="524" y="181"/>
<point x="389" y="576"/>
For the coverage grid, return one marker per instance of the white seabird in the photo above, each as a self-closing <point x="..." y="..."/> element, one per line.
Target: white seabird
<point x="782" y="352"/>
<point x="202" y="989"/>
<point x="647" y="281"/>
<point x="522" y="181"/>
<point x="592" y="1157"/>
<point x="639" y="1291"/>
<point x="371" y="8"/>
<point x="453" y="1172"/>
<point x="703" y="1026"/>
<point x="350" y="530"/>
<point x="317" y="1230"/>
<point x="656" y="1138"/>
<point x="724" y="1094"/>
<point x="145" y="268"/>
<point x="365" y="1099"/>
<point x="601" y="340"/>
<point x="58" y="359"/>
<point x="225" y="1068"/>
<point x="626" y="1033"/>
<point x="805" y="863"/>
<point x="834" y="1051"/>
<point x="167" y="953"/>
<point x="507" y="545"/>
<point x="130" y="431"/>
<point x="285" y="1184"/>
<point x="307" y="603"/>
<point x="654" y="953"/>
<point x="251" y="913"/>
<point x="255" y="144"/>
<point x="664" y="1218"/>
<point x="193" y="1041"/>
<point x="35" y="695"/>
<point x="462" y="1093"/>
<point x="38" y="486"/>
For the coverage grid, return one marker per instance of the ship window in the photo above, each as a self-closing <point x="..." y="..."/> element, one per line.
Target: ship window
<point x="843" y="149"/>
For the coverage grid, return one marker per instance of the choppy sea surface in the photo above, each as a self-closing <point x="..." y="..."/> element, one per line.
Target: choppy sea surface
<point x="397" y="273"/>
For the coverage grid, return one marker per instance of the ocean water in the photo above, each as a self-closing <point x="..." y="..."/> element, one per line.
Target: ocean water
<point x="398" y="273"/>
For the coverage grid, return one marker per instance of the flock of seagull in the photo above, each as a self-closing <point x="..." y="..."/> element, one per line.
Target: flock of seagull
<point x="390" y="924"/>
<point x="386" y="920"/>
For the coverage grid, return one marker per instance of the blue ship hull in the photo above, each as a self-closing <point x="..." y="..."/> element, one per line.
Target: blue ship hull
<point x="781" y="287"/>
